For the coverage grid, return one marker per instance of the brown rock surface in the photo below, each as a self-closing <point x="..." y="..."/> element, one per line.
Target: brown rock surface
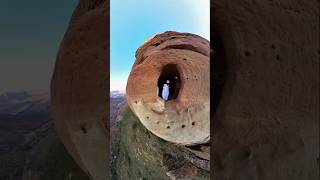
<point x="79" y="87"/>
<point x="266" y="125"/>
<point x="184" y="119"/>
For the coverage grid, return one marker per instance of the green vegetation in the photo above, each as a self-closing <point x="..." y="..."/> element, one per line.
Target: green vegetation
<point x="134" y="155"/>
<point x="138" y="154"/>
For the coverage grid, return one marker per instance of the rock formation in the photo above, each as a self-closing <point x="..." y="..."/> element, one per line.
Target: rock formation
<point x="266" y="124"/>
<point x="79" y="87"/>
<point x="183" y="58"/>
<point x="265" y="88"/>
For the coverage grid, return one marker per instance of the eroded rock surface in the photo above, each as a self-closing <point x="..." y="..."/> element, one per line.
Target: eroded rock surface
<point x="185" y="118"/>
<point x="266" y="125"/>
<point x="79" y="87"/>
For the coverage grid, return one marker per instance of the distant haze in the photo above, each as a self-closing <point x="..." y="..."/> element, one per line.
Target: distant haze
<point x="30" y="35"/>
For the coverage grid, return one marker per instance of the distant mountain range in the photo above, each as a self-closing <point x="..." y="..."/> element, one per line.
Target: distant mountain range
<point x="23" y="102"/>
<point x="115" y="94"/>
<point x="29" y="146"/>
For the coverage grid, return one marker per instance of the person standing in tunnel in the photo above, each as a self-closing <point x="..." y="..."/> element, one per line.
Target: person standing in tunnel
<point x="165" y="90"/>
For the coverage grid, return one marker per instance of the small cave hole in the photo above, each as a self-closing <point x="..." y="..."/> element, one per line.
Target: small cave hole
<point x="168" y="127"/>
<point x="169" y="82"/>
<point x="156" y="44"/>
<point x="84" y="129"/>
<point x="183" y="126"/>
<point x="247" y="53"/>
<point x="193" y="123"/>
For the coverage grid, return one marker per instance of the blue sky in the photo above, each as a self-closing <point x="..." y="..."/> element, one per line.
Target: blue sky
<point x="30" y="35"/>
<point x="135" y="21"/>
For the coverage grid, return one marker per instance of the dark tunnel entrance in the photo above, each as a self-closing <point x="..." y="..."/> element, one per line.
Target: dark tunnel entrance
<point x="169" y="82"/>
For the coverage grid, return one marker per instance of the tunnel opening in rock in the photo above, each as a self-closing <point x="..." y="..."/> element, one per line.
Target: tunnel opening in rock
<point x="169" y="82"/>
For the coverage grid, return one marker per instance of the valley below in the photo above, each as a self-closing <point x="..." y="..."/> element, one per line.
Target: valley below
<point x="29" y="147"/>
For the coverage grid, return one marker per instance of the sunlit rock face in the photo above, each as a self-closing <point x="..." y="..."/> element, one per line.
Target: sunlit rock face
<point x="182" y="58"/>
<point x="266" y="125"/>
<point x="79" y="91"/>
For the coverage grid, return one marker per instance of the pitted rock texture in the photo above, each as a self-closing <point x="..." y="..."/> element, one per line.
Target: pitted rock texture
<point x="266" y="125"/>
<point x="79" y="87"/>
<point x="185" y="119"/>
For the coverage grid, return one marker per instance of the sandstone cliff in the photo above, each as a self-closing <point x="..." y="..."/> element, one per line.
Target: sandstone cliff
<point x="79" y="87"/>
<point x="266" y="124"/>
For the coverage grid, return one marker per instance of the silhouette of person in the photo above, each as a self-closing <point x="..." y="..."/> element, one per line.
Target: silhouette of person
<point x="165" y="90"/>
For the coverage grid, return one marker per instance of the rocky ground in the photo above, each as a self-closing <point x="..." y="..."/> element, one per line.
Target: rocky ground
<point x="117" y="105"/>
<point x="138" y="154"/>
